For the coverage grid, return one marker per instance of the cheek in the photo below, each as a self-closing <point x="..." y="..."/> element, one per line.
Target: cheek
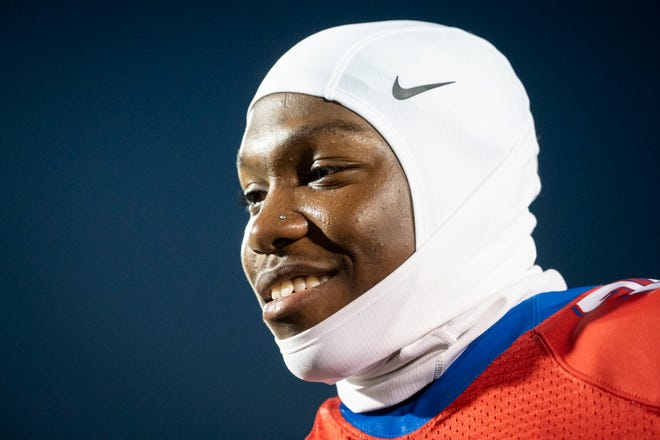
<point x="386" y="224"/>
<point x="248" y="259"/>
<point x="367" y="226"/>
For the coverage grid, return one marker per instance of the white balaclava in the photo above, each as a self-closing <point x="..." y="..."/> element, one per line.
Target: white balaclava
<point x="469" y="152"/>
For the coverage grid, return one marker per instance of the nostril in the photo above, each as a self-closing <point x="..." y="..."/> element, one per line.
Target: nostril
<point x="279" y="243"/>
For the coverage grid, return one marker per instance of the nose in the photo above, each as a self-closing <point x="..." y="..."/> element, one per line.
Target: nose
<point x="277" y="224"/>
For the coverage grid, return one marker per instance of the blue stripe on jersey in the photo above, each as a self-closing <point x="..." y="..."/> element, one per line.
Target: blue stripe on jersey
<point x="410" y="415"/>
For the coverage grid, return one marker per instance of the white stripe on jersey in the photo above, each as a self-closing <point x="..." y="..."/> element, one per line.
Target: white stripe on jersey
<point x="596" y="298"/>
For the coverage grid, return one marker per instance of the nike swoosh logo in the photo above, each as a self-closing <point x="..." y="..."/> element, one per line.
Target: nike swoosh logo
<point x="400" y="93"/>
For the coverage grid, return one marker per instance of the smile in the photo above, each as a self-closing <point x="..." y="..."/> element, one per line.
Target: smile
<point x="295" y="285"/>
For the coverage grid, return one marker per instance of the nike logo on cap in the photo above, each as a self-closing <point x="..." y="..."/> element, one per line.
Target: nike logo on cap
<point x="401" y="93"/>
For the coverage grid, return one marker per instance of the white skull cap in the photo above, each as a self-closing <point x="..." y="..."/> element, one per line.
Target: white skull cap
<point x="448" y="139"/>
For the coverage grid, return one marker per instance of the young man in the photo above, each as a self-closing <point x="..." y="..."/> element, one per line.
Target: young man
<point x="388" y="169"/>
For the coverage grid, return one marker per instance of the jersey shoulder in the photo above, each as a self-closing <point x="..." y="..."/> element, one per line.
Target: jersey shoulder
<point x="329" y="423"/>
<point x="608" y="337"/>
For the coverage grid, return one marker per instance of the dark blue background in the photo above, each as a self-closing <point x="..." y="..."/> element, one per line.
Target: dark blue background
<point x="124" y="311"/>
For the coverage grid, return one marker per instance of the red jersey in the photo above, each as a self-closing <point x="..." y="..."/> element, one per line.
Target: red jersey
<point x="555" y="366"/>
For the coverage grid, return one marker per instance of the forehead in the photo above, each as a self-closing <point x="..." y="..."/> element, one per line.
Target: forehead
<point x="294" y="110"/>
<point x="284" y="118"/>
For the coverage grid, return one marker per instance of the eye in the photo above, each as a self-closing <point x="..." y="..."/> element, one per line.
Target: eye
<point x="318" y="172"/>
<point x="252" y="199"/>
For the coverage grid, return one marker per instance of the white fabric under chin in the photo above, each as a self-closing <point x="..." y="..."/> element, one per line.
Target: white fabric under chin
<point x="404" y="332"/>
<point x="469" y="153"/>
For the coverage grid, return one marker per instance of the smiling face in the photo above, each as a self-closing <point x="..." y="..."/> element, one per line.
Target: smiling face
<point x="330" y="209"/>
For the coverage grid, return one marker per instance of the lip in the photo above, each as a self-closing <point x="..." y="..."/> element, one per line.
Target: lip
<point x="268" y="279"/>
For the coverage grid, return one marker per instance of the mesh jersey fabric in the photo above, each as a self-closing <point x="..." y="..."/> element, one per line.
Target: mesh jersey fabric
<point x="589" y="371"/>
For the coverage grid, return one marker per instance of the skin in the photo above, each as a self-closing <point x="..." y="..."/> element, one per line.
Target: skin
<point x="346" y="201"/>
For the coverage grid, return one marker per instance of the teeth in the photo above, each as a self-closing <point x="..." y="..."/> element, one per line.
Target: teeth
<point x="287" y="288"/>
<point x="297" y="284"/>
<point x="276" y="292"/>
<point x="310" y="282"/>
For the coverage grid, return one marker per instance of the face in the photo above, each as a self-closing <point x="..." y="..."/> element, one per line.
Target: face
<point x="329" y="205"/>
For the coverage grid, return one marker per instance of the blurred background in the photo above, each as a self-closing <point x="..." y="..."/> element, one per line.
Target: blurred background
<point x="124" y="312"/>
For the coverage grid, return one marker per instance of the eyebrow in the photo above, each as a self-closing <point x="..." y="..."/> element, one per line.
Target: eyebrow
<point x="307" y="131"/>
<point x="330" y="126"/>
